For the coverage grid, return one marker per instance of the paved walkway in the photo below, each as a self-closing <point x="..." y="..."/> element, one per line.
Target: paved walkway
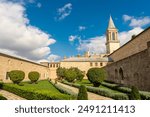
<point x="91" y="96"/>
<point x="10" y="96"/>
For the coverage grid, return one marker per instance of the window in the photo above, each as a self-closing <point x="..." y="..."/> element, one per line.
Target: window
<point x="116" y="73"/>
<point x="113" y="36"/>
<point x="101" y="64"/>
<point x="96" y="64"/>
<point x="91" y="64"/>
<point x="53" y="65"/>
<point x="7" y="75"/>
<point x="50" y="65"/>
<point x="121" y="74"/>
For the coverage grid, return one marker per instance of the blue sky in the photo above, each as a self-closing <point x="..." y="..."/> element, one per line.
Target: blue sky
<point x="74" y="26"/>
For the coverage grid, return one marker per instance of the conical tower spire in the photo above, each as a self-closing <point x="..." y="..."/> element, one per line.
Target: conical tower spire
<point x="111" y="23"/>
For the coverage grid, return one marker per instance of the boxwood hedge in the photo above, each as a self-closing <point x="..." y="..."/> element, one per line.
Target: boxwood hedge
<point x="2" y="98"/>
<point x="33" y="95"/>
<point x="103" y="92"/>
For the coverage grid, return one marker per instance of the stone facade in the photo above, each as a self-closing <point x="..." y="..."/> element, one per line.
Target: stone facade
<point x="8" y="63"/>
<point x="84" y="65"/>
<point x="131" y="65"/>
<point x="137" y="44"/>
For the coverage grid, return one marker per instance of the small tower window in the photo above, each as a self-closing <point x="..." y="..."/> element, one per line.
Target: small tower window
<point x="113" y="36"/>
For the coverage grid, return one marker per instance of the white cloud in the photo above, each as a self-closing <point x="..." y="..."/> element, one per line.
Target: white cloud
<point x="64" y="11"/>
<point x="81" y="28"/>
<point x="72" y="38"/>
<point x="125" y="36"/>
<point x="53" y="57"/>
<point x="97" y="44"/>
<point x="39" y="5"/>
<point x="18" y="37"/>
<point x="137" y="22"/>
<point x="127" y="18"/>
<point x="21" y="1"/>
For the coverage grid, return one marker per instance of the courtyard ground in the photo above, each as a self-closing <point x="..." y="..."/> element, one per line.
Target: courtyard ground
<point x="10" y="96"/>
<point x="91" y="96"/>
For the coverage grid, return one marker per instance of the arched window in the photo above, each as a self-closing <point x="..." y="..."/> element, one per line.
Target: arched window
<point x="116" y="73"/>
<point x="121" y="74"/>
<point x="113" y="36"/>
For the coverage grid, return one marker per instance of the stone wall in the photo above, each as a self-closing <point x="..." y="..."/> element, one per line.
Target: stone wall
<point x="8" y="63"/>
<point x="83" y="66"/>
<point x="132" y="71"/>
<point x="138" y="44"/>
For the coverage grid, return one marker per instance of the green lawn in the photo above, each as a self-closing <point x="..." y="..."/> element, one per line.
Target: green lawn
<point x="43" y="88"/>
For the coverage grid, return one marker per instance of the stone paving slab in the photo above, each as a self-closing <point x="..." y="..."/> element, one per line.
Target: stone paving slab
<point x="91" y="96"/>
<point x="10" y="96"/>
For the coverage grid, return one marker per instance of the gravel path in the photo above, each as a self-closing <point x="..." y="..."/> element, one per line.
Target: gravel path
<point x="91" y="96"/>
<point x="10" y="96"/>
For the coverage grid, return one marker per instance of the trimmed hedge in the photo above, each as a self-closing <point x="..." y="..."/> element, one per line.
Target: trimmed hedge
<point x="2" y="98"/>
<point x="1" y="85"/>
<point x="144" y="95"/>
<point x="135" y="95"/>
<point x="16" y="76"/>
<point x="103" y="92"/>
<point x="82" y="95"/>
<point x="33" y="95"/>
<point x="34" y="76"/>
<point x="96" y="76"/>
<point x="64" y="90"/>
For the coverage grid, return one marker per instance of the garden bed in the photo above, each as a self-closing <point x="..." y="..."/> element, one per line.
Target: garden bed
<point x="101" y="91"/>
<point x="41" y="91"/>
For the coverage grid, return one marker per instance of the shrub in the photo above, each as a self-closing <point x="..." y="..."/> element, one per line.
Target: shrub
<point x="70" y="75"/>
<point x="34" y="95"/>
<point x="96" y="76"/>
<point x="1" y="85"/>
<point x="144" y="95"/>
<point x="34" y="76"/>
<point x="135" y="95"/>
<point x="103" y="92"/>
<point x="82" y="95"/>
<point x="2" y="98"/>
<point x="61" y="72"/>
<point x="79" y="73"/>
<point x="62" y="89"/>
<point x="16" y="76"/>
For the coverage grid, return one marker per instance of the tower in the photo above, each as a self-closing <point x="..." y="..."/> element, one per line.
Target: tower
<point x="112" y="42"/>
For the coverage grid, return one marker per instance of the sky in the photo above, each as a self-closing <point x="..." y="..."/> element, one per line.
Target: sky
<point x="47" y="30"/>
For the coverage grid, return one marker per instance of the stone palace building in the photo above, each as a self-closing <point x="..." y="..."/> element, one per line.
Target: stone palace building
<point x="128" y="65"/>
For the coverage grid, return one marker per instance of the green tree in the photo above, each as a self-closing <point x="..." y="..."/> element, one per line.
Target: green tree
<point x="82" y="95"/>
<point x="70" y="75"/>
<point x="61" y="72"/>
<point x="135" y="95"/>
<point x="16" y="76"/>
<point x="34" y="76"/>
<point x="96" y="76"/>
<point x="80" y="74"/>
